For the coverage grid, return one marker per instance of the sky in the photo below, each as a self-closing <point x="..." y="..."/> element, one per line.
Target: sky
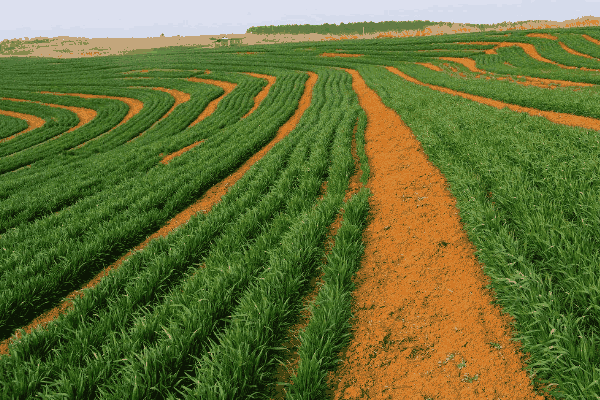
<point x="151" y="18"/>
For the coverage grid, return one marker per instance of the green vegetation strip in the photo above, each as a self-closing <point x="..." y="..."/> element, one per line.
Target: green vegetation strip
<point x="11" y="125"/>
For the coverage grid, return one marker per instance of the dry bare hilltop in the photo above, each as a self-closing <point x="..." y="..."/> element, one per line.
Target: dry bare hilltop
<point x="74" y="47"/>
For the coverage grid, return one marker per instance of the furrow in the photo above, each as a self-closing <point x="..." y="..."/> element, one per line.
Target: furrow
<point x="556" y="117"/>
<point x="420" y="306"/>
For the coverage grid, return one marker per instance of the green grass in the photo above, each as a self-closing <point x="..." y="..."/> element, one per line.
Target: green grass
<point x="201" y="313"/>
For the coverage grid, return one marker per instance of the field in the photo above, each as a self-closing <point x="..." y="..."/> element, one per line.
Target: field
<point x="399" y="217"/>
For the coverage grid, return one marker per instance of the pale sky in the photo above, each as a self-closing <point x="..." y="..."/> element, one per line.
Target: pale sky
<point x="125" y="19"/>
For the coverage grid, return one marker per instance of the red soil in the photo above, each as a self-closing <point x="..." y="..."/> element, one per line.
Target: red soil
<point x="569" y="50"/>
<point x="556" y="117"/>
<point x="431" y="66"/>
<point x="263" y="93"/>
<point x="467" y="62"/>
<point x="340" y="55"/>
<point x="32" y="121"/>
<point x="423" y="319"/>
<point x="542" y="35"/>
<point x="591" y="39"/>
<point x="212" y="106"/>
<point x="204" y="204"/>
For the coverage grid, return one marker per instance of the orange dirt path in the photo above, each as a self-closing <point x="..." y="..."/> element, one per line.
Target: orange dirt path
<point x="529" y="50"/>
<point x="467" y="62"/>
<point x="263" y="93"/>
<point x="212" y="106"/>
<point x="204" y="204"/>
<point x="591" y="39"/>
<point x="423" y="320"/>
<point x="431" y="66"/>
<point x="135" y="106"/>
<point x="556" y="117"/>
<point x="340" y="55"/>
<point x="32" y="121"/>
<point x="569" y="50"/>
<point x="542" y="35"/>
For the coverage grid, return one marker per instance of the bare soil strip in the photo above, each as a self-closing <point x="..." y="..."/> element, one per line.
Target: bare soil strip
<point x="591" y="39"/>
<point x="542" y="35"/>
<point x="431" y="66"/>
<point x="263" y="93"/>
<point x="204" y="204"/>
<point x="171" y="156"/>
<point x="556" y="117"/>
<point x="135" y="106"/>
<point x="529" y="49"/>
<point x="32" y="121"/>
<point x="424" y="325"/>
<point x="292" y="343"/>
<point x="569" y="50"/>
<point x="467" y="62"/>
<point x="340" y="55"/>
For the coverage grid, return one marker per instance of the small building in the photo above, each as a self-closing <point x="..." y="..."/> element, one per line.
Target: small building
<point x="225" y="41"/>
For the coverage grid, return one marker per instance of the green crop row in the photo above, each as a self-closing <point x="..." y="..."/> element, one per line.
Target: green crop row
<point x="584" y="103"/>
<point x="580" y="44"/>
<point x="11" y="125"/>
<point x="552" y="50"/>
<point x="80" y="240"/>
<point x="235" y="257"/>
<point x="58" y="120"/>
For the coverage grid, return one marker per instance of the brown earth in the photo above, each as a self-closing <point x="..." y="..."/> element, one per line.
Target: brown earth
<point x="569" y="50"/>
<point x="32" y="121"/>
<point x="204" y="204"/>
<point x="591" y="39"/>
<point x="542" y="35"/>
<point x="340" y="55"/>
<point x="263" y="93"/>
<point x="76" y="47"/>
<point x="424" y="324"/>
<point x="431" y="66"/>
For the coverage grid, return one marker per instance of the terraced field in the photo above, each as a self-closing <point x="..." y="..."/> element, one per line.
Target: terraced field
<point x="389" y="218"/>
